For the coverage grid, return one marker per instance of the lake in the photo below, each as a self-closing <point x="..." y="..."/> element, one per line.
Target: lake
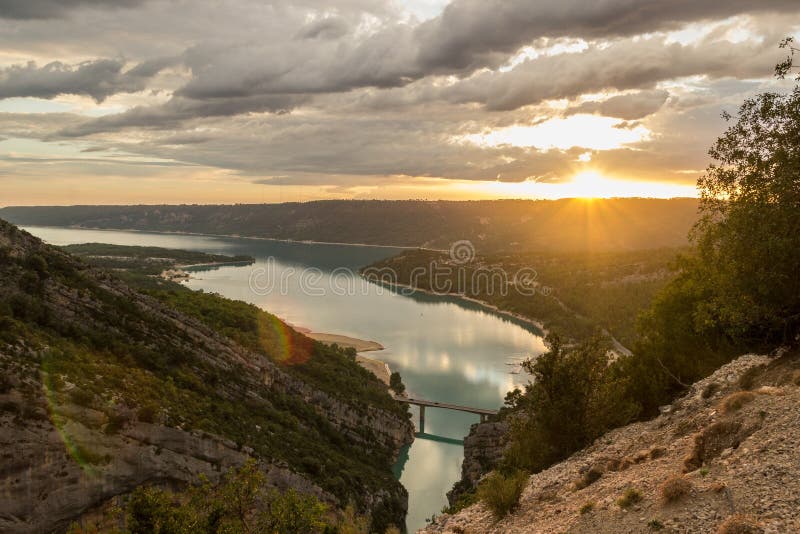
<point x="446" y="349"/>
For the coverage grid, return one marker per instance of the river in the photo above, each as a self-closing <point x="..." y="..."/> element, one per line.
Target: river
<point x="446" y="349"/>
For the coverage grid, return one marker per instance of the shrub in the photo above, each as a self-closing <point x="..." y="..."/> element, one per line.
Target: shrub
<point x="655" y="524"/>
<point x="629" y="498"/>
<point x="501" y="493"/>
<point x="740" y="524"/>
<point x="591" y="476"/>
<point x="147" y="413"/>
<point x="81" y="397"/>
<point x="735" y="401"/>
<point x="675" y="488"/>
<point x="586" y="508"/>
<point x="115" y="423"/>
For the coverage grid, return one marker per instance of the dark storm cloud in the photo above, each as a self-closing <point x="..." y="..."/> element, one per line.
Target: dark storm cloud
<point x="51" y="9"/>
<point x="97" y="79"/>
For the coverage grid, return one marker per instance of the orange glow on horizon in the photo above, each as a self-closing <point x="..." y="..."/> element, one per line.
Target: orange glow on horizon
<point x="587" y="184"/>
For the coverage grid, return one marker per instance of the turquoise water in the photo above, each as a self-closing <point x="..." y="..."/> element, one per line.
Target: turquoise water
<point x="446" y="349"/>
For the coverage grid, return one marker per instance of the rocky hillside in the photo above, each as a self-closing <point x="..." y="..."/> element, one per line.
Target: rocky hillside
<point x="723" y="458"/>
<point x="103" y="389"/>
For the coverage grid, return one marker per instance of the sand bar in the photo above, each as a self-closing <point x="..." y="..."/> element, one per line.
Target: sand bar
<point x="360" y="345"/>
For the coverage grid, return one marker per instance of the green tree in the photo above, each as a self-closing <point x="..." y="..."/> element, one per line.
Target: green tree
<point x="575" y="395"/>
<point x="738" y="288"/>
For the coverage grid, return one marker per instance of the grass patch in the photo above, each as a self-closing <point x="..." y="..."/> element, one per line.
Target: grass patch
<point x="735" y="401"/>
<point x="501" y="492"/>
<point x="629" y="498"/>
<point x="675" y="488"/>
<point x="740" y="524"/>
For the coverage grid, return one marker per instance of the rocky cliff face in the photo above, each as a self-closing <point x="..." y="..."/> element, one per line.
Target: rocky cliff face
<point x="483" y="448"/>
<point x="721" y="459"/>
<point x="74" y="425"/>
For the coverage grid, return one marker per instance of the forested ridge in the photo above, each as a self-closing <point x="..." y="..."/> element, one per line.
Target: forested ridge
<point x="570" y="225"/>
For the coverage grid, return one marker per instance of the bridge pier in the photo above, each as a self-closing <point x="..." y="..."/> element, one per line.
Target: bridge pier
<point x="422" y="419"/>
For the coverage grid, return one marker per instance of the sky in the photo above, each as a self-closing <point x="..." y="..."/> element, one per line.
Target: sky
<point x="227" y="101"/>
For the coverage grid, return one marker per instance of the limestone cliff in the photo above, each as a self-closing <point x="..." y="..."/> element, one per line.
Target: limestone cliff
<point x="104" y="388"/>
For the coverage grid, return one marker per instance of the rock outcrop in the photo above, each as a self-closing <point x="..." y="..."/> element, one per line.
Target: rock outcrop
<point x="483" y="448"/>
<point x="723" y="453"/>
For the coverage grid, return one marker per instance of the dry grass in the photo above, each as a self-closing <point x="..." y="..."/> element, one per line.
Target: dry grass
<point x="711" y="441"/>
<point x="740" y="524"/>
<point x="591" y="476"/>
<point x="675" y="488"/>
<point x="501" y="493"/>
<point x="796" y="377"/>
<point x="735" y="401"/>
<point x="629" y="498"/>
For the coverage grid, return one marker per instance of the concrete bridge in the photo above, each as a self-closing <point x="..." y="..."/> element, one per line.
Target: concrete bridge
<point x="422" y="403"/>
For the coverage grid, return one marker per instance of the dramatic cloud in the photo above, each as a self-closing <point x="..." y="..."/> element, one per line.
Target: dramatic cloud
<point x="98" y="79"/>
<point x="474" y="33"/>
<point x="625" y="64"/>
<point x="370" y="92"/>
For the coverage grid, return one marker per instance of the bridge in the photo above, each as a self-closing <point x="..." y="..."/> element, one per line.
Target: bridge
<point x="422" y="403"/>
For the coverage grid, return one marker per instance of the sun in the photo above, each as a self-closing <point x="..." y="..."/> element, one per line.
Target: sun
<point x="591" y="184"/>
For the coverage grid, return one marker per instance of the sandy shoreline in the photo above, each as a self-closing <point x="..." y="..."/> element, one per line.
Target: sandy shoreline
<point x="377" y="367"/>
<point x="361" y="345"/>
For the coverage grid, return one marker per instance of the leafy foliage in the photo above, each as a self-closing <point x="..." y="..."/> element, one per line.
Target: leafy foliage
<point x="574" y="396"/>
<point x="737" y="289"/>
<point x="240" y="504"/>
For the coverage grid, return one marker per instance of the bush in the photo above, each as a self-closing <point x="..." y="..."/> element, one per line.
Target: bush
<point x="675" y="488"/>
<point x="575" y="396"/>
<point x="735" y="401"/>
<point x="591" y="476"/>
<point x="586" y="508"/>
<point x="147" y="413"/>
<point x="629" y="498"/>
<point x="740" y="524"/>
<point x="501" y="493"/>
<point x="116" y="423"/>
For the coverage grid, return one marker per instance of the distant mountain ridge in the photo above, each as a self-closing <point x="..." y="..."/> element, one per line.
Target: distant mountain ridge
<point x="491" y="225"/>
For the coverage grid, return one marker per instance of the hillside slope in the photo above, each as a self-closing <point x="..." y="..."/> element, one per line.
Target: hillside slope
<point x="562" y="225"/>
<point x="103" y="388"/>
<point x="731" y="441"/>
